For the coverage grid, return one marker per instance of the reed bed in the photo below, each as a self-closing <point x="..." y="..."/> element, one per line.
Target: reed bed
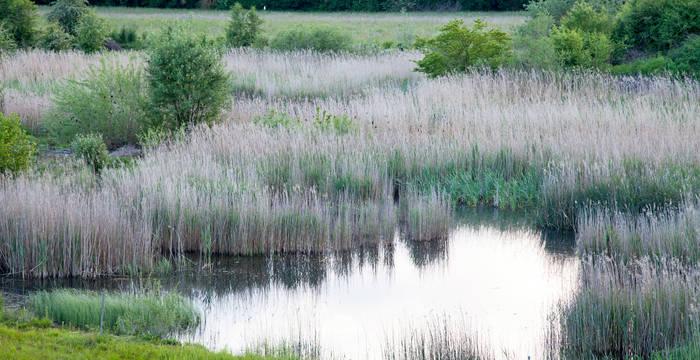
<point x="148" y="312"/>
<point x="551" y="142"/>
<point x="428" y="216"/>
<point x="440" y="339"/>
<point x="628" y="310"/>
<point x="670" y="233"/>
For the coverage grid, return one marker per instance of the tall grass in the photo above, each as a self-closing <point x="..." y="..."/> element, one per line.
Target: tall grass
<point x="151" y="312"/>
<point x="427" y="216"/>
<point x="622" y="311"/>
<point x="440" y="339"/>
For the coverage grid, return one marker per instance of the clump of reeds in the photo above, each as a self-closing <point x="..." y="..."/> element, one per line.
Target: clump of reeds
<point x="427" y="216"/>
<point x="668" y="233"/>
<point x="623" y="311"/>
<point x="148" y="312"/>
<point x="439" y="339"/>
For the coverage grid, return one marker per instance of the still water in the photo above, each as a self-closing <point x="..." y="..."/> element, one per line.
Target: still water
<point x="494" y="275"/>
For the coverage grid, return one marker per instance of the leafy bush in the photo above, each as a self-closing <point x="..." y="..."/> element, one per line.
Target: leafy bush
<point x="187" y="81"/>
<point x="687" y="57"/>
<point x="110" y="101"/>
<point x="657" y="24"/>
<point x="16" y="148"/>
<point x="244" y="28"/>
<point x="276" y="120"/>
<point x="658" y="65"/>
<point x="458" y="48"/>
<point x="67" y="13"/>
<point x="92" y="149"/>
<point x="54" y="38"/>
<point x="584" y="17"/>
<point x="319" y="38"/>
<point x="128" y="38"/>
<point x="558" y="8"/>
<point x="20" y="19"/>
<point x="340" y="124"/>
<point x="535" y="47"/>
<point x="7" y="42"/>
<point x="90" y="33"/>
<point x="585" y="49"/>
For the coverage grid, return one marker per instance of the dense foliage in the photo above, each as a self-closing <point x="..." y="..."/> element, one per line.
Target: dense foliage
<point x="244" y="27"/>
<point x="90" y="33"/>
<point x="20" y="19"/>
<point x="54" y="38"/>
<point x="67" y="13"/>
<point x="319" y="38"/>
<point x="657" y="24"/>
<point x="91" y="149"/>
<point x="187" y="81"/>
<point x="110" y="101"/>
<point x="16" y="148"/>
<point x="458" y="48"/>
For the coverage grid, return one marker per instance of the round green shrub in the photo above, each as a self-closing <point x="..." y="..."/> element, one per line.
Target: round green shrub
<point x="92" y="149"/>
<point x="319" y="38"/>
<point x="187" y="81"/>
<point x="653" y="25"/>
<point x="458" y="48"/>
<point x="90" y="33"/>
<point x="244" y="29"/>
<point x="20" y="19"/>
<point x="687" y="57"/>
<point x="67" y="13"/>
<point x="54" y="38"/>
<point x="16" y="148"/>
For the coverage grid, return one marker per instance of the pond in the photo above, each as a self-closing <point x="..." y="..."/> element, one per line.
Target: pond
<point x="495" y="275"/>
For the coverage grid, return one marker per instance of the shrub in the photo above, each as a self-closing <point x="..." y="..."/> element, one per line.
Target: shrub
<point x="657" y="24"/>
<point x="7" y="42"/>
<point x="54" y="38"/>
<point x="92" y="149"/>
<point x="658" y="65"/>
<point x="320" y="38"/>
<point x="583" y="17"/>
<point x="244" y="27"/>
<point x="276" y="120"/>
<point x="90" y="33"/>
<point x="128" y="38"/>
<point x="535" y="47"/>
<point x="585" y="49"/>
<point x="20" y="19"/>
<point x="16" y="149"/>
<point x="458" y="48"/>
<point x="687" y="57"/>
<point x="558" y="8"/>
<point x="67" y="13"/>
<point x="110" y="101"/>
<point x="187" y="81"/>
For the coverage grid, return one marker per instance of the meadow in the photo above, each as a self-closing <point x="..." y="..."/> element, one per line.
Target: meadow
<point x="325" y="152"/>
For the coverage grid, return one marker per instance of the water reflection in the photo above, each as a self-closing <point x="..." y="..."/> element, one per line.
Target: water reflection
<point x="494" y="270"/>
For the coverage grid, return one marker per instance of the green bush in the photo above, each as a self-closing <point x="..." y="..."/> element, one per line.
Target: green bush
<point x="687" y="57"/>
<point x="340" y="124"/>
<point x="576" y="48"/>
<point x="274" y="119"/>
<point x="67" y="13"/>
<point x="658" y="65"/>
<point x="653" y="25"/>
<point x="20" y="19"/>
<point x="534" y="46"/>
<point x="90" y="33"/>
<point x="128" y="38"/>
<point x="187" y="80"/>
<point x="319" y="38"/>
<point x="110" y="101"/>
<point x="16" y="148"/>
<point x="244" y="29"/>
<point x="54" y="38"/>
<point x="458" y="48"/>
<point x="558" y="8"/>
<point x="92" y="149"/>
<point x="7" y="42"/>
<point x="584" y="17"/>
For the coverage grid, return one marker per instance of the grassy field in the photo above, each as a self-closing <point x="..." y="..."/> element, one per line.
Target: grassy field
<point x="364" y="27"/>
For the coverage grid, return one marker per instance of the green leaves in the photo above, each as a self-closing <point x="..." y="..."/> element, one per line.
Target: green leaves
<point x="16" y="148"/>
<point x="244" y="29"/>
<point x="458" y="48"/>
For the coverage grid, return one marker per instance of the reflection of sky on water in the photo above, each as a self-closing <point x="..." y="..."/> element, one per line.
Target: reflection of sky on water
<point x="493" y="272"/>
<point x="503" y="279"/>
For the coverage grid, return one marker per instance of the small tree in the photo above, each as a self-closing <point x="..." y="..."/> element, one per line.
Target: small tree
<point x="90" y="33"/>
<point x="187" y="80"/>
<point x="67" y="13"/>
<point x="16" y="149"/>
<point x="92" y="150"/>
<point x="20" y="19"/>
<point x="54" y="38"/>
<point x="458" y="48"/>
<point x="244" y="29"/>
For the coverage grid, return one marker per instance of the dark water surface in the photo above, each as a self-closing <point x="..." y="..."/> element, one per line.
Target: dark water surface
<point x="495" y="273"/>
